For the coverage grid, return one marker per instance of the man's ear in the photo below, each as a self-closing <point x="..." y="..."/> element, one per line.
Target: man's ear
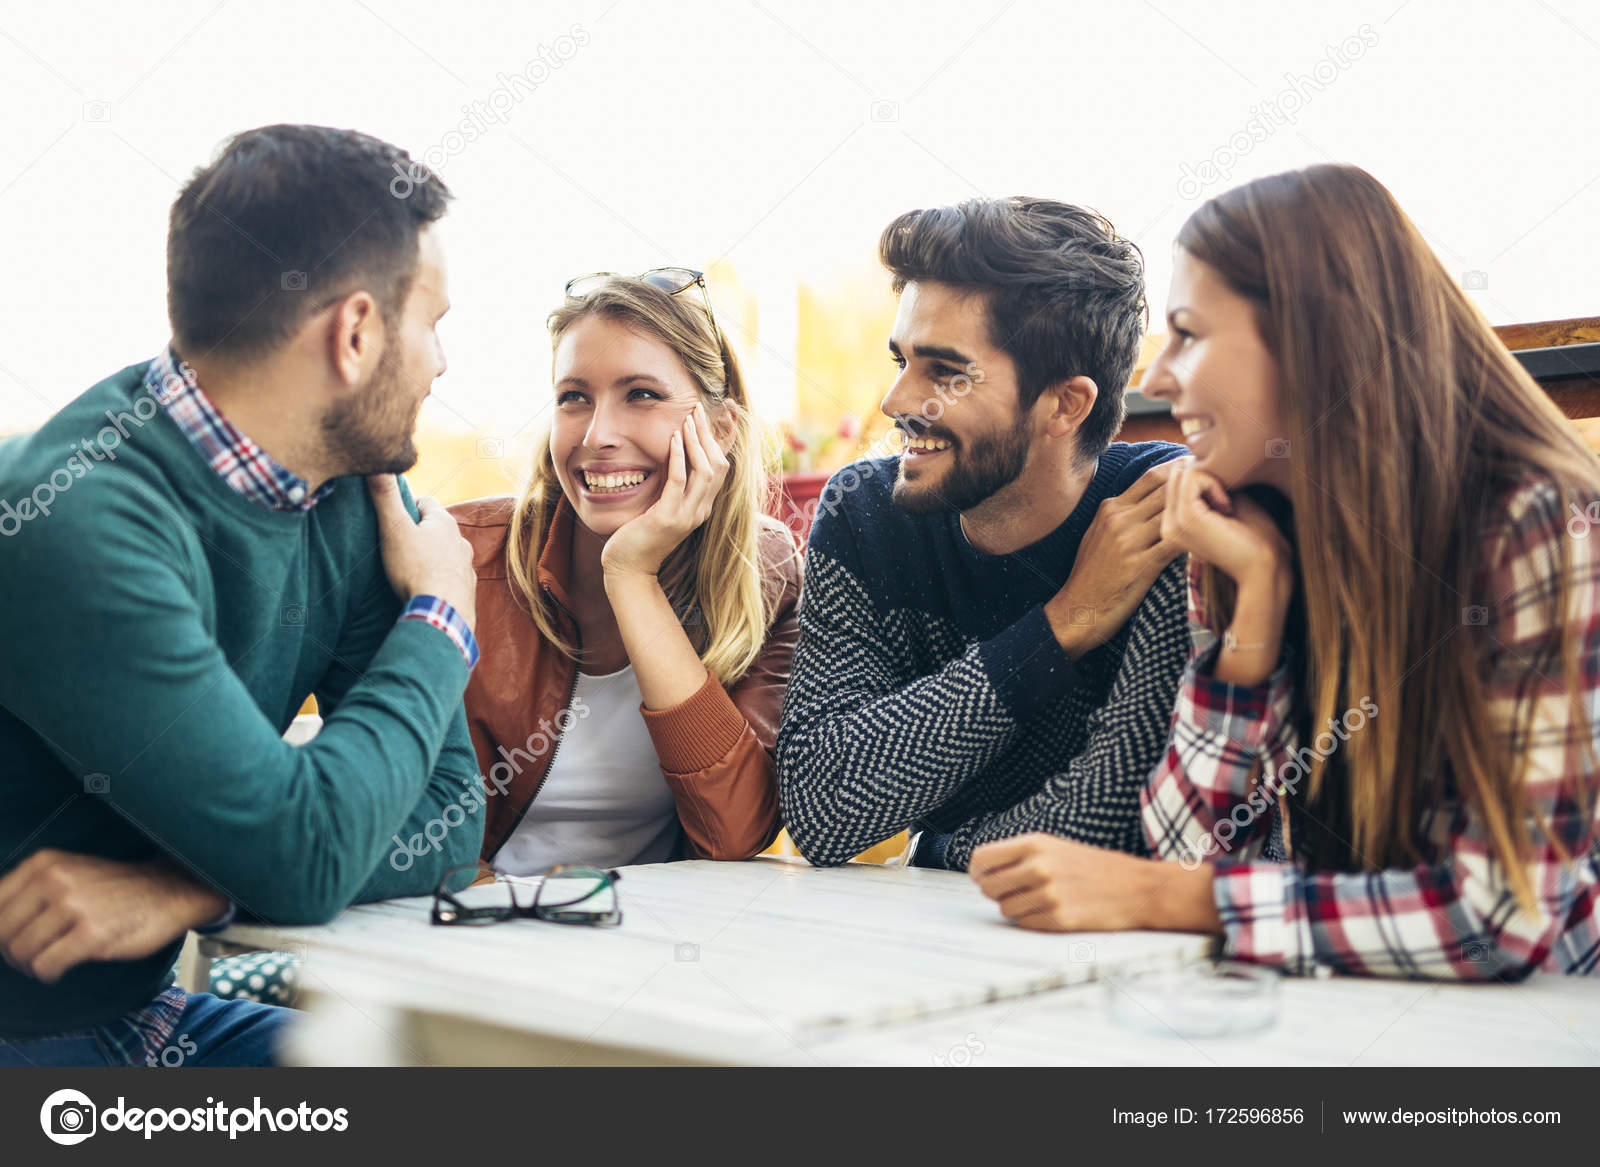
<point x="355" y="337"/>
<point x="1067" y="404"/>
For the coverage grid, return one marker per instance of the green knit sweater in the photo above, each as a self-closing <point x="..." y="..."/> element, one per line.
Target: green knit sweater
<point x="158" y="633"/>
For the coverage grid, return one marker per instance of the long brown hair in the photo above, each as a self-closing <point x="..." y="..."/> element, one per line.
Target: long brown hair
<point x="713" y="579"/>
<point x="1407" y="421"/>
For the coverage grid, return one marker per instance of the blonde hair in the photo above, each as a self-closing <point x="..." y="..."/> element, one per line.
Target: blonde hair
<point x="713" y="579"/>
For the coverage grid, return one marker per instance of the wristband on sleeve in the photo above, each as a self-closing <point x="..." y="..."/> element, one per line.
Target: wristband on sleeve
<point x="443" y="616"/>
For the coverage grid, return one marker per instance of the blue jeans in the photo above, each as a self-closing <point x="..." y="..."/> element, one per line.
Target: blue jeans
<point x="210" y="1032"/>
<point x="930" y="851"/>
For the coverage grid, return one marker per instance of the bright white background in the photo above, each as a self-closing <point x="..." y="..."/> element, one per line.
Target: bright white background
<point x="775" y="137"/>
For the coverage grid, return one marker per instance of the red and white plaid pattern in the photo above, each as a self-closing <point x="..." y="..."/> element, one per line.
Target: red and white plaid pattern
<point x="1452" y="917"/>
<point x="443" y="616"/>
<point x="245" y="466"/>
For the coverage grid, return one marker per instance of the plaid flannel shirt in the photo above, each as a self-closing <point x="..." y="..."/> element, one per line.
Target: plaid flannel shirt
<point x="258" y="476"/>
<point x="1453" y="917"/>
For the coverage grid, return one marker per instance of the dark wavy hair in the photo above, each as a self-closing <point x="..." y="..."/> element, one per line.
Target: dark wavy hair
<point x="1064" y="292"/>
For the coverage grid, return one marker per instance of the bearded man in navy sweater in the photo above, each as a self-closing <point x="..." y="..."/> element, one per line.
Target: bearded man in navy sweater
<point x="991" y="629"/>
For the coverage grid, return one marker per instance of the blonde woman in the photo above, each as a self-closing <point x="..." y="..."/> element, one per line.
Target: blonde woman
<point x="636" y="606"/>
<point x="1383" y="755"/>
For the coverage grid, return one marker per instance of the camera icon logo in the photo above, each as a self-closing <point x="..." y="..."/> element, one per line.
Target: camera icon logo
<point x="67" y="1117"/>
<point x="686" y="953"/>
<point x="97" y="111"/>
<point x="1278" y="448"/>
<point x="1475" y="614"/>
<point x="294" y="281"/>
<point x="491" y="448"/>
<point x="97" y="783"/>
<point x="885" y="111"/>
<point x="1082" y="615"/>
<point x="292" y="615"/>
<point x="1475" y="281"/>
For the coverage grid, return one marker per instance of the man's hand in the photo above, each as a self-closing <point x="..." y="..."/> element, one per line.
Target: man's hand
<point x="1050" y="884"/>
<point x="1118" y="560"/>
<point x="426" y="558"/>
<point x="58" y="910"/>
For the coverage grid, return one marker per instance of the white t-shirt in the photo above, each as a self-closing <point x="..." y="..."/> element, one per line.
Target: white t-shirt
<point x="604" y="801"/>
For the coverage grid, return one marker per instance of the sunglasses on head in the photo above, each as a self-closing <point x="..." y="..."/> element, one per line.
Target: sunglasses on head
<point x="670" y="280"/>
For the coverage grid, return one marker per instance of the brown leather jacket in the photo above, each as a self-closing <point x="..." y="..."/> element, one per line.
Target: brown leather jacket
<point x="715" y="749"/>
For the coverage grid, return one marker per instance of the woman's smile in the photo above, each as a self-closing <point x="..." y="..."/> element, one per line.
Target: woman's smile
<point x="605" y="483"/>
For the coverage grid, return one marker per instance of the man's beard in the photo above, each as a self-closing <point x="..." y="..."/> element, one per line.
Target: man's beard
<point x="977" y="470"/>
<point x="372" y="431"/>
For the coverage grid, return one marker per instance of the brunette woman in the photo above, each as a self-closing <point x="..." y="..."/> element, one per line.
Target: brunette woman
<point x="1383" y="756"/>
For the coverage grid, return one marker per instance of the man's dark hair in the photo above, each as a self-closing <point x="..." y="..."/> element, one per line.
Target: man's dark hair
<point x="285" y="220"/>
<point x="1064" y="291"/>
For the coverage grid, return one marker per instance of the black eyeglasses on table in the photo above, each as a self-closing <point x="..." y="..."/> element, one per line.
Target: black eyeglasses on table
<point x="567" y="893"/>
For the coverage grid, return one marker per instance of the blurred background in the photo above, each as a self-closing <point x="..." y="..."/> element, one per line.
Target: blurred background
<point x="767" y="143"/>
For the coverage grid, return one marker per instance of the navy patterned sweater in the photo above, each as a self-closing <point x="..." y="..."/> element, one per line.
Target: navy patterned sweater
<point x="929" y="692"/>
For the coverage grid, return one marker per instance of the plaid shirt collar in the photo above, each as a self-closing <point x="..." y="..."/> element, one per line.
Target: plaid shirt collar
<point x="243" y="465"/>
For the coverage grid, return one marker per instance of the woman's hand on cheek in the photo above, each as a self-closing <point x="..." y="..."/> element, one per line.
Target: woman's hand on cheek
<point x="1234" y="535"/>
<point x="696" y="470"/>
<point x="1239" y="538"/>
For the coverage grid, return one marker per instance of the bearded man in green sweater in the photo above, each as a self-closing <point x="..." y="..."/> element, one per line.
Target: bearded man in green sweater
<point x="187" y="552"/>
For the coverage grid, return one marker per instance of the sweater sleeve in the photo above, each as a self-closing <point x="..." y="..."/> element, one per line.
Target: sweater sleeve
<point x="716" y="747"/>
<point x="433" y="838"/>
<point x="866" y="746"/>
<point x="1202" y="798"/>
<point x="1455" y="917"/>
<point x="1096" y="798"/>
<point x="177" y="744"/>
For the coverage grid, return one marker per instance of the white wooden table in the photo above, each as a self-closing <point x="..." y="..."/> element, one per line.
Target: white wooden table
<point x="1342" y="1021"/>
<point x="776" y="962"/>
<point x="746" y="963"/>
